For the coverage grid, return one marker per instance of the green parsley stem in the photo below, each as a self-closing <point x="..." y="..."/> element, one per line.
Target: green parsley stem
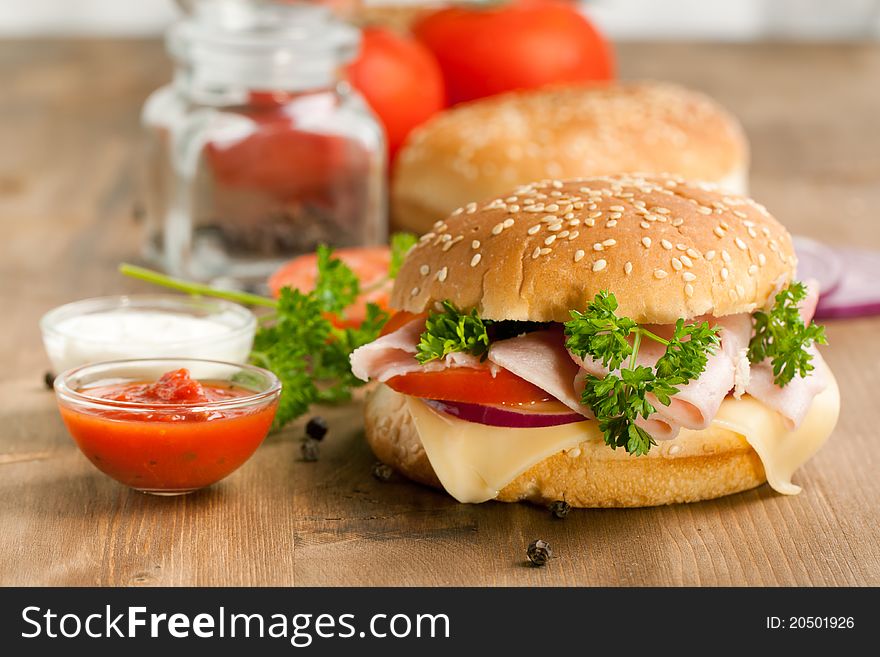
<point x="637" y="341"/>
<point x="157" y="278"/>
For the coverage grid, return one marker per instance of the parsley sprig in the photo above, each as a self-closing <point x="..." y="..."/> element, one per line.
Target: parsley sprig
<point x="452" y="331"/>
<point x="620" y="398"/>
<point x="782" y="336"/>
<point x="298" y="340"/>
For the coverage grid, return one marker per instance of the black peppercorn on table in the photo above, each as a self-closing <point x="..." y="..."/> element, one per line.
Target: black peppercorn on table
<point x="68" y="183"/>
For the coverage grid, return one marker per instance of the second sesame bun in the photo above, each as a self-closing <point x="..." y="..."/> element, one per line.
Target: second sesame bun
<point x="485" y="147"/>
<point x="667" y="249"/>
<point x="697" y="465"/>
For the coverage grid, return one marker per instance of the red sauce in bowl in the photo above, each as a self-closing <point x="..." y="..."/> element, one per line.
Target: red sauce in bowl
<point x="165" y="436"/>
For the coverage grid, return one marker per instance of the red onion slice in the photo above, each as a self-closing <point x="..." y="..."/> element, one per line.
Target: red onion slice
<point x="500" y="417"/>
<point x="818" y="261"/>
<point x="858" y="291"/>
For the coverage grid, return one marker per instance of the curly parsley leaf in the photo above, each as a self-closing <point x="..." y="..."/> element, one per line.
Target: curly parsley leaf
<point x="599" y="333"/>
<point x="401" y="243"/>
<point x="299" y="341"/>
<point x="782" y="336"/>
<point x="452" y="331"/>
<point x="621" y="397"/>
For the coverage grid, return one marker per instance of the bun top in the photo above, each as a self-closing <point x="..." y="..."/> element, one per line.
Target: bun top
<point x="491" y="145"/>
<point x="665" y="247"/>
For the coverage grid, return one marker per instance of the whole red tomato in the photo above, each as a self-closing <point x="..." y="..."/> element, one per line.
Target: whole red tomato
<point x="522" y="44"/>
<point x="401" y="81"/>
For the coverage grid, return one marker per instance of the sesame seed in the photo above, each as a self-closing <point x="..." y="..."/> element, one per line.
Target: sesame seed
<point x="497" y="228"/>
<point x="568" y="215"/>
<point x="740" y="244"/>
<point x="681" y="247"/>
<point x="476" y="259"/>
<point x="644" y="224"/>
<point x="732" y="294"/>
<point x="513" y="208"/>
<point x="740" y="214"/>
<point x="677" y="222"/>
<point x="646" y="241"/>
<point x="589" y="222"/>
<point x="550" y="218"/>
<point x="661" y="210"/>
<point x="424" y="270"/>
<point x="598" y="246"/>
<point x="666" y="244"/>
<point x="441" y="275"/>
<point x="508" y="223"/>
<point x="689" y="290"/>
<point x="687" y="261"/>
<point x="448" y="245"/>
<point x="724" y="225"/>
<point x="616" y="208"/>
<point x="475" y="244"/>
<point x="573" y="235"/>
<point x="659" y="273"/>
<point x="534" y="229"/>
<point x="414" y="292"/>
<point x="693" y="253"/>
<point x="704" y="210"/>
<point x="725" y="256"/>
<point x="510" y="199"/>
<point x="455" y="213"/>
<point x="579" y="205"/>
<point x="611" y="224"/>
<point x="615" y="215"/>
<point x="710" y="255"/>
<point x="599" y="265"/>
<point x="609" y="242"/>
<point x="551" y="208"/>
<point x="753" y="269"/>
<point x="470" y="208"/>
<point x="574" y="222"/>
<point x="578" y="255"/>
<point x="554" y="227"/>
<point x="627" y="268"/>
<point x="545" y="251"/>
<point x="724" y="273"/>
<point x="762" y="259"/>
<point x="719" y="231"/>
<point x="442" y="227"/>
<point x="689" y="276"/>
<point x="740" y="290"/>
<point x="550" y="240"/>
<point x="676" y="264"/>
<point x="536" y="252"/>
<point x="752" y="233"/>
<point x="595" y="215"/>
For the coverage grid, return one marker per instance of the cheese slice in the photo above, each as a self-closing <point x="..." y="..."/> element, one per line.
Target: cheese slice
<point x="475" y="461"/>
<point x="782" y="451"/>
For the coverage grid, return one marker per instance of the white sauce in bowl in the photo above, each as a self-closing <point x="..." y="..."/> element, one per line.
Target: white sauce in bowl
<point x="149" y="327"/>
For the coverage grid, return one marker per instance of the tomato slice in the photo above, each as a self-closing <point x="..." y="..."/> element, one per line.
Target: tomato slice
<point x="469" y="384"/>
<point x="398" y="319"/>
<point x="370" y="265"/>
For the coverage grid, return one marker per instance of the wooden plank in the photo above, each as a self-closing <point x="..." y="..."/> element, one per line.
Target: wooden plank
<point x="68" y="171"/>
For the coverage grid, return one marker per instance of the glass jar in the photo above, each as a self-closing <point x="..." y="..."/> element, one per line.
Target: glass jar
<point x="259" y="150"/>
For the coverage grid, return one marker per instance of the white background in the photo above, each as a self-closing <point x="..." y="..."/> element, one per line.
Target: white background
<point x="734" y="20"/>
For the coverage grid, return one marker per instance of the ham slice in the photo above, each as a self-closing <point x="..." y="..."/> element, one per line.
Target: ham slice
<point x="395" y="355"/>
<point x="541" y="359"/>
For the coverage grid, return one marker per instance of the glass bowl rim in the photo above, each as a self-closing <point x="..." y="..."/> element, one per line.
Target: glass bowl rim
<point x="183" y="302"/>
<point x="68" y="395"/>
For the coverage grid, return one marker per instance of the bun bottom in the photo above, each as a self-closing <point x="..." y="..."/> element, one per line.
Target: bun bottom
<point x="698" y="465"/>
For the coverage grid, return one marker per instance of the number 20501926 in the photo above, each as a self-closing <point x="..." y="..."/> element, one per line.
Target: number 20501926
<point x="810" y="623"/>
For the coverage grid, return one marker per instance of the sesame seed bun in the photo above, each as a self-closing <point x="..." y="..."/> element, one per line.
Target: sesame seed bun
<point x="485" y="147"/>
<point x="697" y="465"/>
<point x="667" y="249"/>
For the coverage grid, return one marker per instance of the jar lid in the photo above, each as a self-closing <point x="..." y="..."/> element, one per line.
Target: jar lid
<point x="262" y="45"/>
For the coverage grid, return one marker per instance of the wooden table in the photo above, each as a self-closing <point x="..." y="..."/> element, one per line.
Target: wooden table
<point x="68" y="162"/>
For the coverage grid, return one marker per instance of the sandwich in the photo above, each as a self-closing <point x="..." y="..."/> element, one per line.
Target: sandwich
<point x="620" y="341"/>
<point x="484" y="148"/>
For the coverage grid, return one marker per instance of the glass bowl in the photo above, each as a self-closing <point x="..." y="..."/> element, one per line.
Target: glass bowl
<point x="167" y="448"/>
<point x="147" y="326"/>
